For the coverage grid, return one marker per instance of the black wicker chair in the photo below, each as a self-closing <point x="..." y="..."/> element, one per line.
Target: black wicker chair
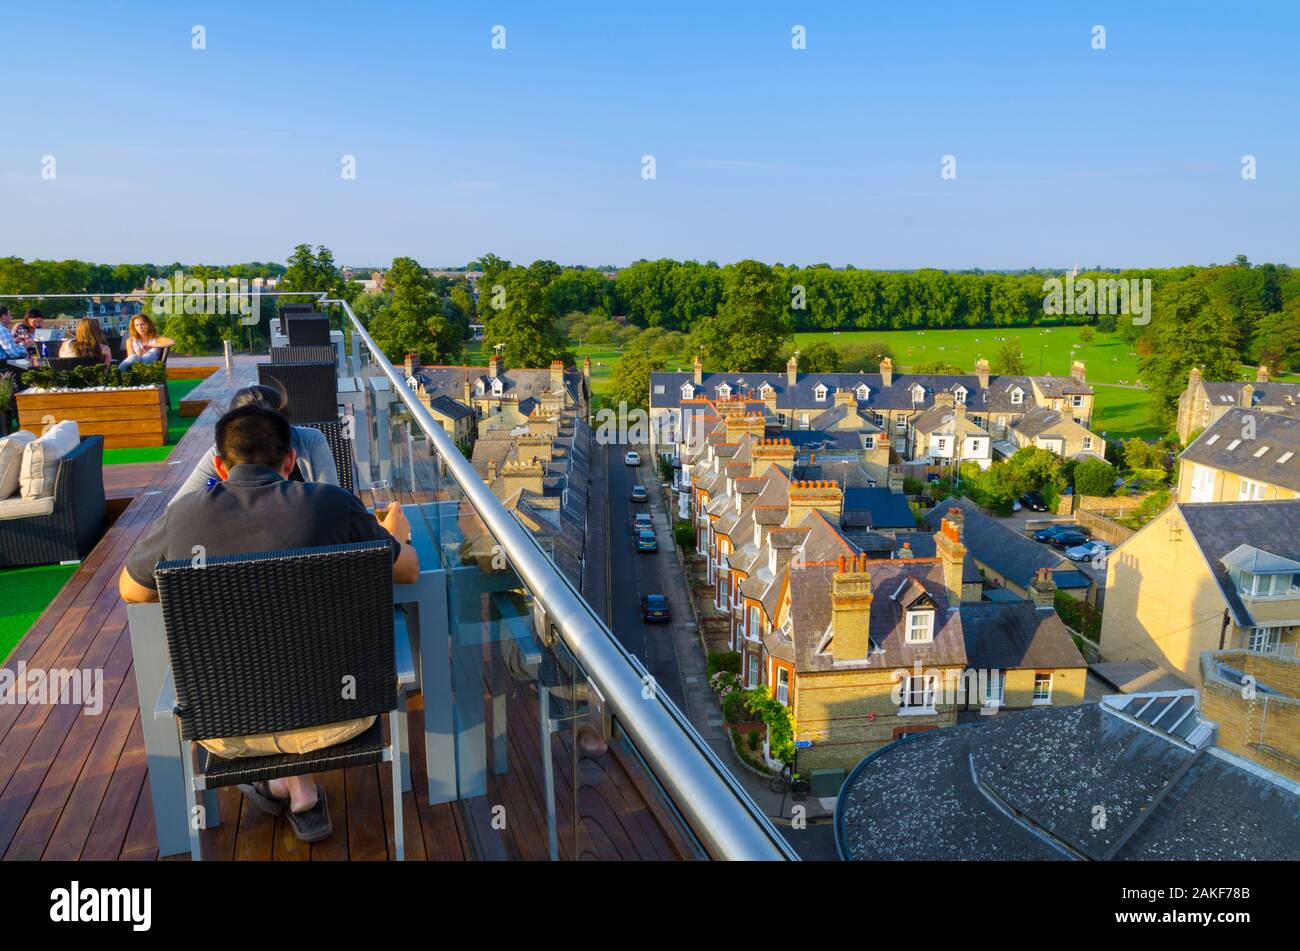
<point x="312" y="389"/>
<point x="277" y="641"/>
<point x="307" y="331"/>
<point x="71" y="530"/>
<point x="341" y="449"/>
<point x="304" y="355"/>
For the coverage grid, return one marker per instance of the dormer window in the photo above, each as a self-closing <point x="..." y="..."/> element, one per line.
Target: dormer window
<point x="724" y="391"/>
<point x="918" y="393"/>
<point x="687" y="391"/>
<point x="920" y="626"/>
<point x="863" y="391"/>
<point x="959" y="394"/>
<point x="819" y="393"/>
<point x="1017" y="396"/>
<point x="765" y="390"/>
<point x="496" y="388"/>
<point x="478" y="388"/>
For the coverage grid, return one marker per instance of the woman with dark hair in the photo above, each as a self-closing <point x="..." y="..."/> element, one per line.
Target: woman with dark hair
<point x="315" y="461"/>
<point x="25" y="330"/>
<point x="88" y="342"/>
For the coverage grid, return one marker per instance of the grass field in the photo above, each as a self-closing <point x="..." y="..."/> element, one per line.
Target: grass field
<point x="24" y="593"/>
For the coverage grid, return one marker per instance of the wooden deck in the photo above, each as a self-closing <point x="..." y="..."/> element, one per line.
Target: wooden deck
<point x="75" y="787"/>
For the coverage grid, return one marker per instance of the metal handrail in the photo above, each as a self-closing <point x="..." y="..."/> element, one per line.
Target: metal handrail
<point x="720" y="813"/>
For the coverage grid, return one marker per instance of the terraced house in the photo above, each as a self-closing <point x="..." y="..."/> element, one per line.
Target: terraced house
<point x="1243" y="456"/>
<point x="1204" y="402"/>
<point x="827" y="604"/>
<point x="886" y="407"/>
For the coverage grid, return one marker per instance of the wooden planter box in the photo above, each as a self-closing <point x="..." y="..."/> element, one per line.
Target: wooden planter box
<point x="123" y="417"/>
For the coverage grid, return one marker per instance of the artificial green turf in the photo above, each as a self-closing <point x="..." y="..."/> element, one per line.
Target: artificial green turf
<point x="24" y="594"/>
<point x="176" y="428"/>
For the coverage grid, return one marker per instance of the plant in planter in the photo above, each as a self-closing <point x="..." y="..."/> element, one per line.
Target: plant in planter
<point x="6" y="401"/>
<point x="127" y="408"/>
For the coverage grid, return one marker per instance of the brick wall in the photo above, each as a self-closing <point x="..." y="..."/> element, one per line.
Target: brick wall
<point x="1265" y="729"/>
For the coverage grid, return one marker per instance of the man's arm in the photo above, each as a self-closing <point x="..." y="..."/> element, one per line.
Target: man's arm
<point x="132" y="591"/>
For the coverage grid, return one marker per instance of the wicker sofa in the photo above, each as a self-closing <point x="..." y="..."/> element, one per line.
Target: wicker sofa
<point x="64" y="527"/>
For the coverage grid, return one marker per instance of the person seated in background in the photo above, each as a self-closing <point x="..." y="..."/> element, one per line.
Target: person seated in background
<point x="256" y="508"/>
<point x="315" y="462"/>
<point x="143" y="343"/>
<point x="25" y="329"/>
<point x="88" y="342"/>
<point x="10" y="349"/>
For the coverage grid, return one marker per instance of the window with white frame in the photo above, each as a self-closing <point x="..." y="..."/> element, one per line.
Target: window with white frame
<point x="1087" y="442"/>
<point x="724" y="391"/>
<point x="1076" y="400"/>
<point x="919" y="693"/>
<point x="976" y="447"/>
<point x="959" y="394"/>
<point x="819" y="393"/>
<point x="868" y="442"/>
<point x="1264" y="640"/>
<point x="753" y="671"/>
<point x="1042" y="688"/>
<point x="783" y="686"/>
<point x="878" y="419"/>
<point x="920" y="627"/>
<point x="497" y="388"/>
<point x="1251" y="491"/>
<point x="687" y="391"/>
<point x="863" y="391"/>
<point x="900" y="424"/>
<point x="755" y="625"/>
<point x="918" y="393"/>
<point x="1017" y="396"/>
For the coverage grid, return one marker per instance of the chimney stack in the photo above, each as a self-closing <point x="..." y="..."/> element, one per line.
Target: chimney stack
<point x="792" y="369"/>
<point x="1262" y="374"/>
<point x="951" y="549"/>
<point x="886" y="372"/>
<point x="1193" y="376"/>
<point x="1247" y="398"/>
<point x="557" y="376"/>
<point x="1042" y="590"/>
<point x="494" y="367"/>
<point x="982" y="372"/>
<point x="699" y="371"/>
<point x="412" y="363"/>
<point x="1078" y="370"/>
<point x="586" y="370"/>
<point x="818" y="495"/>
<point x="851" y="599"/>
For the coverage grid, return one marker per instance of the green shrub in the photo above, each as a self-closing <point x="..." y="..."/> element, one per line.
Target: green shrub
<point x="684" y="535"/>
<point x="1093" y="477"/>
<point x="1079" y="616"/>
<point x="753" y="739"/>
<point x="724" y="662"/>
<point x="734" y="709"/>
<point x="780" y="724"/>
<point x="83" y="378"/>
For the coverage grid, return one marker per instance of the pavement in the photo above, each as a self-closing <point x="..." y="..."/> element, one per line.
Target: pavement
<point x="673" y="653"/>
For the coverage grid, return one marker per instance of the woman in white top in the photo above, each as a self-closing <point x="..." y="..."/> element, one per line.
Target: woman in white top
<point x="144" y="344"/>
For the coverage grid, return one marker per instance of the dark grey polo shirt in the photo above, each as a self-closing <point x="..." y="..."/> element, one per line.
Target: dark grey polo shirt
<point x="254" y="510"/>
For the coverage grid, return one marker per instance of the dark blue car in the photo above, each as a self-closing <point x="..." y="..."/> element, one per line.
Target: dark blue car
<point x="654" y="607"/>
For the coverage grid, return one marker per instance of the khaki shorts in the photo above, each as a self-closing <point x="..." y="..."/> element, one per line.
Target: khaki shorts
<point x="292" y="741"/>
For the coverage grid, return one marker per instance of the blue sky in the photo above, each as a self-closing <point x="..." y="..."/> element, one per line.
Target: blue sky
<point x="1129" y="156"/>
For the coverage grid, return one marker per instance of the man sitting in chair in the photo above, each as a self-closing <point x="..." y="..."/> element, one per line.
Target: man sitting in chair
<point x="255" y="508"/>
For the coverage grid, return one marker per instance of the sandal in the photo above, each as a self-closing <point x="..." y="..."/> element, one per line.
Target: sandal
<point x="314" y="824"/>
<point x="259" y="794"/>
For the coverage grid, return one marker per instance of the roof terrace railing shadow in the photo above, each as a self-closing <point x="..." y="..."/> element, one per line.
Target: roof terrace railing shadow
<point x="525" y="640"/>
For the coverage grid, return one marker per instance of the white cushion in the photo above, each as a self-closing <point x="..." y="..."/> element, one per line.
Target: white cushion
<point x="41" y="458"/>
<point x="11" y="460"/>
<point x="25" y="508"/>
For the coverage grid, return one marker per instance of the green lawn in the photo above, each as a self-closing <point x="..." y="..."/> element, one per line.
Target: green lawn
<point x="176" y="428"/>
<point x="24" y="593"/>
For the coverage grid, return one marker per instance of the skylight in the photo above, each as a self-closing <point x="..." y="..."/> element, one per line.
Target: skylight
<point x="1233" y="445"/>
<point x="1285" y="457"/>
<point x="1212" y="440"/>
<point x="1260" y="451"/>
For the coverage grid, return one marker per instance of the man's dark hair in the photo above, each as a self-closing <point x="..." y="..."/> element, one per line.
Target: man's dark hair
<point x="252" y="435"/>
<point x="259" y="394"/>
<point x="4" y="309"/>
<point x="33" y="313"/>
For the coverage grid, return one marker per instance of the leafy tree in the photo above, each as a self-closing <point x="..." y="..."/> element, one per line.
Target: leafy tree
<point x="752" y="323"/>
<point x="1093" y="477"/>
<point x="1037" y="468"/>
<point x="525" y="327"/>
<point x="415" y="320"/>
<point x="1086" y="335"/>
<point x="630" y="382"/>
<point x="820" y="357"/>
<point x="937" y="366"/>
<point x="1143" y="455"/>
<point x="310" y="270"/>
<point x="995" y="487"/>
<point x="1277" y="338"/>
<point x="1009" y="361"/>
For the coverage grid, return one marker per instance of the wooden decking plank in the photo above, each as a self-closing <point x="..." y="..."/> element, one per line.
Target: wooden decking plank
<point x="367" y="837"/>
<point x="124" y="821"/>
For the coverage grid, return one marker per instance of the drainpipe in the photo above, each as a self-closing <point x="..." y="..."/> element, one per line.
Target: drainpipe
<point x="1223" y="631"/>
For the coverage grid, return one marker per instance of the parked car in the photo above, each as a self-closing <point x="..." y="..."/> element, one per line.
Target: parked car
<point x="1045" y="534"/>
<point x="632" y="458"/>
<point x="1089" y="551"/>
<point x="638" y="493"/>
<point x="1067" y="539"/>
<point x="654" y="607"/>
<point x="642" y="523"/>
<point x="646" y="541"/>
<point x="1034" y="501"/>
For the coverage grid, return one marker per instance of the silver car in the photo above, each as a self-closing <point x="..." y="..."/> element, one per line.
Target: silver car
<point x="1090" y="551"/>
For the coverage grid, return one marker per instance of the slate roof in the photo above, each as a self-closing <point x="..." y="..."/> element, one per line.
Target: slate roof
<point x="916" y="799"/>
<point x="810" y="608"/>
<point x="883" y="508"/>
<point x="454" y="409"/>
<point x="1039" y="421"/>
<point x="1222" y="447"/>
<point x="1266" y="394"/>
<point x="1219" y="527"/>
<point x="898" y="395"/>
<point x="1017" y="634"/>
<point x="521" y="383"/>
<point x="1007" y="552"/>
